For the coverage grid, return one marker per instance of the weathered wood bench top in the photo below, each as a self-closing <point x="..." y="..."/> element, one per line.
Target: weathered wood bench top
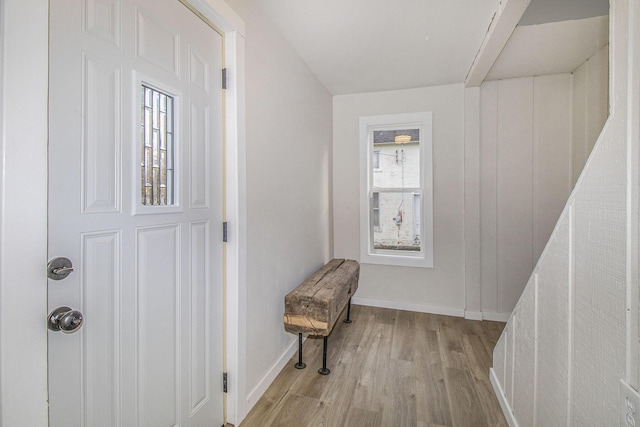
<point x="314" y="306"/>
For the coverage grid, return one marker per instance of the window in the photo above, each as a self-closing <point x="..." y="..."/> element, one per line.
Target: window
<point x="396" y="212"/>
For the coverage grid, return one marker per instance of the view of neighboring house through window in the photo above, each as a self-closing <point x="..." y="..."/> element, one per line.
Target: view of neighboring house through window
<point x="396" y="190"/>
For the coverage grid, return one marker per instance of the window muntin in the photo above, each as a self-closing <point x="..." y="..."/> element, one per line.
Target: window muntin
<point x="396" y="187"/>
<point x="157" y="161"/>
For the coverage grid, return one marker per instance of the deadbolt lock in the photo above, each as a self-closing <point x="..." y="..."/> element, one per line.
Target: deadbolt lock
<point x="59" y="268"/>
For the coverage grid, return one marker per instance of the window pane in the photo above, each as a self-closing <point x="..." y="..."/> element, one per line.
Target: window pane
<point x="398" y="153"/>
<point x="398" y="221"/>
<point x="375" y="207"/>
<point x="157" y="148"/>
<point x="376" y="159"/>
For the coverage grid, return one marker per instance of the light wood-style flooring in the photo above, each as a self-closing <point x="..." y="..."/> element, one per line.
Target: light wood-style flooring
<point x="389" y="368"/>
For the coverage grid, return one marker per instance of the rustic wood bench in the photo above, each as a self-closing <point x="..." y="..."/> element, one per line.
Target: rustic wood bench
<point x="314" y="307"/>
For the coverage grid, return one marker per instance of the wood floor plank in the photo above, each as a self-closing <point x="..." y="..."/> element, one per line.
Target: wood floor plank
<point x="360" y="418"/>
<point x="389" y="368"/>
<point x="480" y="362"/>
<point x="336" y="406"/>
<point x="385" y="315"/>
<point x="404" y="334"/>
<point x="376" y="358"/>
<point x="451" y="351"/>
<point x="297" y="411"/>
<point x="400" y="387"/>
<point x="463" y="398"/>
<point x="431" y="393"/>
<point x="476" y="353"/>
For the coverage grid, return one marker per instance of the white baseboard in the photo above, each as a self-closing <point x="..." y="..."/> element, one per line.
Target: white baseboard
<point x="496" y="317"/>
<point x="473" y="315"/>
<point x="506" y="409"/>
<point x="398" y="305"/>
<point x="432" y="309"/>
<point x="271" y="375"/>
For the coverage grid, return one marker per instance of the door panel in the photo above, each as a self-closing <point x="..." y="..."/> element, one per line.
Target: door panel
<point x="148" y="279"/>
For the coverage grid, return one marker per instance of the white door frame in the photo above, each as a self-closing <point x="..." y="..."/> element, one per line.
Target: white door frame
<point x="24" y="40"/>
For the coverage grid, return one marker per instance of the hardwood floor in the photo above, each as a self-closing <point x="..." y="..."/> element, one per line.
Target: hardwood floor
<point x="389" y="368"/>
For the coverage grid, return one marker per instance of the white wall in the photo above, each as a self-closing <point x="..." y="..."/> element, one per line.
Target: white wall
<point x="574" y="332"/>
<point x="439" y="289"/>
<point x="288" y="158"/>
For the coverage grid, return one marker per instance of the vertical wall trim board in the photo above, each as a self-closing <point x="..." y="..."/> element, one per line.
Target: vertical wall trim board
<point x="502" y="399"/>
<point x="504" y="364"/>
<point x="587" y="102"/>
<point x="534" y="163"/>
<point x="633" y="161"/>
<point x="472" y="289"/>
<point x="535" y="349"/>
<point x="571" y="134"/>
<point x="514" y="321"/>
<point x="634" y="141"/>
<point x="497" y="247"/>
<point x="2" y="192"/>
<point x="570" y="318"/>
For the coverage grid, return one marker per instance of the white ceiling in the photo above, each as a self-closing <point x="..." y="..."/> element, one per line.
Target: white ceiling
<point x="557" y="47"/>
<point x="545" y="11"/>
<point x="357" y="46"/>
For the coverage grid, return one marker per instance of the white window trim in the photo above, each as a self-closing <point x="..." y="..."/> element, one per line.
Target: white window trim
<point x="140" y="80"/>
<point x="368" y="255"/>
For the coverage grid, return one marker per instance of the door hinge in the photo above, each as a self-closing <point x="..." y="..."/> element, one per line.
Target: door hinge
<point x="225" y="229"/>
<point x="224" y="78"/>
<point x="225" y="389"/>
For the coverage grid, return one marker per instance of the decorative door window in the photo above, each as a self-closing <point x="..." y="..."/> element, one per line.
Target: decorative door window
<point x="157" y="161"/>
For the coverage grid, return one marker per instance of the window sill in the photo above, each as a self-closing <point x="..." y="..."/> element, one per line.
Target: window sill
<point x="419" y="260"/>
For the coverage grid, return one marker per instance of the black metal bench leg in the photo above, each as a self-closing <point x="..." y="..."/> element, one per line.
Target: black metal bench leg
<point x="300" y="364"/>
<point x="348" y="319"/>
<point x="324" y="370"/>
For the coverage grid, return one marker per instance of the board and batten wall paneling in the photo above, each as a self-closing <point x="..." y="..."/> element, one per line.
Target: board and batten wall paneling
<point x="590" y="107"/>
<point x="581" y="294"/>
<point x="600" y="203"/>
<point x="551" y="155"/>
<point x="488" y="196"/>
<point x="553" y="333"/>
<point x="524" y="355"/>
<point x="514" y="206"/>
<point x="586" y="292"/>
<point x="473" y="290"/>
<point x="525" y="155"/>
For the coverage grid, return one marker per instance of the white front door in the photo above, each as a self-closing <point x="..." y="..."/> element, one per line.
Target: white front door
<point x="135" y="202"/>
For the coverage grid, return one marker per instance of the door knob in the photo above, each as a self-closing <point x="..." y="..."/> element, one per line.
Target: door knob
<point x="65" y="319"/>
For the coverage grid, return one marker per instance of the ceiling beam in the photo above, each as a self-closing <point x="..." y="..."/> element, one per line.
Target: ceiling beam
<point x="504" y="22"/>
